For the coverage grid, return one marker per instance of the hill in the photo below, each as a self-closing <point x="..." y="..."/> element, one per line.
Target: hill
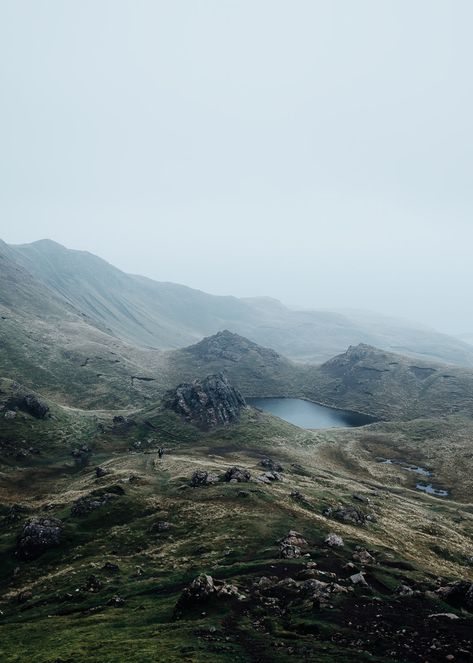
<point x="390" y="386"/>
<point x="164" y="315"/>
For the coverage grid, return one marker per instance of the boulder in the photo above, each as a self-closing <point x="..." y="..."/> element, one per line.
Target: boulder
<point x="237" y="475"/>
<point x="362" y="556"/>
<point x="101" y="472"/>
<point x="37" y="536"/>
<point x="358" y="579"/>
<point x="334" y="541"/>
<point x="268" y="477"/>
<point x="291" y="545"/>
<point x="270" y="464"/>
<point x="206" y="403"/>
<point x="203" y="478"/>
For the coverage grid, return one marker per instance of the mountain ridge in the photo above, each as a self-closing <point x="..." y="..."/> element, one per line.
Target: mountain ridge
<point x="165" y="315"/>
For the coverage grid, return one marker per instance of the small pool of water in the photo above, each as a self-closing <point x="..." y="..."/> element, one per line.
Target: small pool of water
<point x="425" y="487"/>
<point x="432" y="490"/>
<point x="309" y="415"/>
<point x="408" y="466"/>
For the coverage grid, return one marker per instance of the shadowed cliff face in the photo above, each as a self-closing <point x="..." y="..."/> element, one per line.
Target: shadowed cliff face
<point x="206" y="403"/>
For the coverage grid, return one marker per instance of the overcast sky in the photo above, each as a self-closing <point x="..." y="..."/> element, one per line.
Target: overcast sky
<point x="315" y="151"/>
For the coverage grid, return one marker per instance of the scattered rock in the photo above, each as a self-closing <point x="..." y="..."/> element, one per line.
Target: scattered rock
<point x="111" y="567"/>
<point x="37" y="536"/>
<point x="160" y="526"/>
<point x="361" y="498"/>
<point x="458" y="594"/>
<point x="237" y="475"/>
<point x="334" y="541"/>
<point x="116" y="602"/>
<point x="362" y="556"/>
<point x="10" y="414"/>
<point x="92" y="584"/>
<point x="347" y="514"/>
<point x="243" y="493"/>
<point x="268" y="477"/>
<point x="202" y="589"/>
<point x="101" y="472"/>
<point x="291" y="545"/>
<point x="272" y="465"/>
<point x="358" y="579"/>
<point x="203" y="478"/>
<point x="206" y="403"/>
<point x="85" y="505"/>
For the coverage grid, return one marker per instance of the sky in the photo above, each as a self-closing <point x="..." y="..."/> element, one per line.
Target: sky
<point x="319" y="152"/>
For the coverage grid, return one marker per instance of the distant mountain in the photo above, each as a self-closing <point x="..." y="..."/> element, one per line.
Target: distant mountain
<point x="164" y="315"/>
<point x="48" y="344"/>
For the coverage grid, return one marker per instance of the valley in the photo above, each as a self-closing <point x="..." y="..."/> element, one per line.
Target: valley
<point x="151" y="503"/>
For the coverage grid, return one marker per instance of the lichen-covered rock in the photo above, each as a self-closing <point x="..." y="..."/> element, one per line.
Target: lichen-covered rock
<point x="334" y="541"/>
<point x="206" y="403"/>
<point x="291" y="546"/>
<point x="37" y="536"/>
<point x="237" y="475"/>
<point x="203" y="478"/>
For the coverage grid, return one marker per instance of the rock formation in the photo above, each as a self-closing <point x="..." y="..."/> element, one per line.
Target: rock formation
<point x="37" y="536"/>
<point x="206" y="403"/>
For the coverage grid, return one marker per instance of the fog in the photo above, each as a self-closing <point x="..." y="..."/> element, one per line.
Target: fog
<point x="316" y="152"/>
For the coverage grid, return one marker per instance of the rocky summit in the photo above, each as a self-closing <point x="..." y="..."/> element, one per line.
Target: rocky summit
<point x="206" y="403"/>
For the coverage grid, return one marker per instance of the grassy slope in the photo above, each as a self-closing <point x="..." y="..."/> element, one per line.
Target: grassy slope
<point x="217" y="531"/>
<point x="167" y="315"/>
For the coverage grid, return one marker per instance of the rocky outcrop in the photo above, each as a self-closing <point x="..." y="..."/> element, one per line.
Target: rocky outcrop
<point x="203" y="589"/>
<point x="29" y="403"/>
<point x="206" y="403"/>
<point x="37" y="536"/>
<point x="85" y="505"/>
<point x="349" y="514"/>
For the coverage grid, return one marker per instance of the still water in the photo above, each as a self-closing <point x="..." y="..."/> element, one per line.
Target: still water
<point x="309" y="415"/>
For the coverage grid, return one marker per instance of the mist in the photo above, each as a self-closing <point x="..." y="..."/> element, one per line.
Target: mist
<point x="316" y="152"/>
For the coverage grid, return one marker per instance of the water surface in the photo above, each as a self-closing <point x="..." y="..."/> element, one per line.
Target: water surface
<point x="309" y="415"/>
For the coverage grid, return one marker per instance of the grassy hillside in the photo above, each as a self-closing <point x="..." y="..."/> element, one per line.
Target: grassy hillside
<point x="166" y="315"/>
<point x="113" y="582"/>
